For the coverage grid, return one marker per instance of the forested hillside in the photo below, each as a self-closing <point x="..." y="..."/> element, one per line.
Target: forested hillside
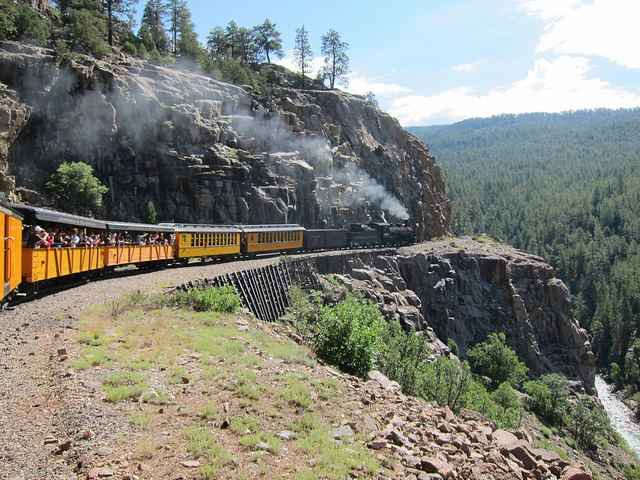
<point x="567" y="187"/>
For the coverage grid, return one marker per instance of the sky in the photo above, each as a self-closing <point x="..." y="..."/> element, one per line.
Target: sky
<point x="432" y="62"/>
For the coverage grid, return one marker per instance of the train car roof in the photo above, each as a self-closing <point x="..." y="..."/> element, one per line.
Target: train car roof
<point x="202" y="228"/>
<point x="37" y="214"/>
<point x="271" y="228"/>
<point x="138" y="227"/>
<point x="9" y="211"/>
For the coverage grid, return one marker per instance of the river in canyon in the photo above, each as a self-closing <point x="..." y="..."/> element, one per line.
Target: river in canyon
<point x="621" y="416"/>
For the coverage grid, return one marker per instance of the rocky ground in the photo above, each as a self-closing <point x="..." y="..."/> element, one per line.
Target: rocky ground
<point x="57" y="423"/>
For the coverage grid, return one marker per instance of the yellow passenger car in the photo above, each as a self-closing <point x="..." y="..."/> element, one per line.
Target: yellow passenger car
<point x="271" y="238"/>
<point x="40" y="264"/>
<point x="138" y="243"/>
<point x="11" y="259"/>
<point x="206" y="241"/>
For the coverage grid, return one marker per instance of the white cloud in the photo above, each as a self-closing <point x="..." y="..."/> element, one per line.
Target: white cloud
<point x="289" y="62"/>
<point x="362" y="85"/>
<point x="606" y="28"/>
<point x="466" y="67"/>
<point x="550" y="86"/>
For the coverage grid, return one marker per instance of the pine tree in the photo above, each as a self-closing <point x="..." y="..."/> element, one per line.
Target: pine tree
<point x="115" y="10"/>
<point x="268" y="39"/>
<point x="218" y="43"/>
<point x="153" y="19"/>
<point x="302" y="52"/>
<point x="336" y="61"/>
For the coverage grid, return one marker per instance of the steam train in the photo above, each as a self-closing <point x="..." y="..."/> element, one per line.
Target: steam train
<point x="74" y="246"/>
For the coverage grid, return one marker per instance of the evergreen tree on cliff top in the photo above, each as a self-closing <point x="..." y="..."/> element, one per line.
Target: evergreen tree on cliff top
<point x="302" y="52"/>
<point x="116" y="9"/>
<point x="336" y="61"/>
<point x="153" y="19"/>
<point x="184" y="40"/>
<point x="268" y="39"/>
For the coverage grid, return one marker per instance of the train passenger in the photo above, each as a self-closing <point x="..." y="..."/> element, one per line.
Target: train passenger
<point x="82" y="233"/>
<point x="50" y="234"/>
<point x="33" y="239"/>
<point x="140" y="239"/>
<point x="74" y="240"/>
<point x="59" y="239"/>
<point x="44" y="238"/>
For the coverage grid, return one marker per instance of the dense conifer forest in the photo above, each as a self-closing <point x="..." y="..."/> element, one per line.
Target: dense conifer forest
<point x="567" y="187"/>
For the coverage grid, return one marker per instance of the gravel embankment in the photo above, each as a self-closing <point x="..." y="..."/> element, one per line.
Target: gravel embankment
<point x="33" y="404"/>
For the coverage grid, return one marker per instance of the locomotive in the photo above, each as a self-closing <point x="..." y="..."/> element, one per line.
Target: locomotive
<point x="26" y="264"/>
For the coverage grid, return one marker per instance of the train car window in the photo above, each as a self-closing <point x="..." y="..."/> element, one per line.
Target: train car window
<point x="192" y="240"/>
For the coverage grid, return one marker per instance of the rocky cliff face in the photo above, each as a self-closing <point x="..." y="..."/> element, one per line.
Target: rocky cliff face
<point x="470" y="290"/>
<point x="207" y="151"/>
<point x="464" y="290"/>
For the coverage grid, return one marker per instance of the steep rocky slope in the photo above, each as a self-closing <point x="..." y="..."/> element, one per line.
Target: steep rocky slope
<point x="58" y="421"/>
<point x="207" y="151"/>
<point x="464" y="290"/>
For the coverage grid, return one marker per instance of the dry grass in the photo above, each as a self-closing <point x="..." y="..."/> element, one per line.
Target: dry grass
<point x="222" y="388"/>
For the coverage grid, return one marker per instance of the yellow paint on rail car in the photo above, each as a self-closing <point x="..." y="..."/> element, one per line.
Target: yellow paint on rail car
<point x="46" y="263"/>
<point x="273" y="241"/>
<point x="11" y="260"/>
<point x="207" y="244"/>
<point x="126" y="254"/>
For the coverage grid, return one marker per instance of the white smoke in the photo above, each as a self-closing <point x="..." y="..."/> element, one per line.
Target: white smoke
<point x="272" y="134"/>
<point x="367" y="187"/>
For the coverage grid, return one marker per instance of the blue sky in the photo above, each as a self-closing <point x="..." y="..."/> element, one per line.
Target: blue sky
<point x="433" y="62"/>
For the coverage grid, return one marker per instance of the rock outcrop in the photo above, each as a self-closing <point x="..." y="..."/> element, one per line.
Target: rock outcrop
<point x="209" y="152"/>
<point x="470" y="290"/>
<point x="465" y="290"/>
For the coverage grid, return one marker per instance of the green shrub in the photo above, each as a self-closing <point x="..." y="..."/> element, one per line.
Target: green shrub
<point x="222" y="299"/>
<point x="445" y="380"/>
<point x="403" y="356"/>
<point x="548" y="397"/>
<point x="130" y="49"/>
<point x="74" y="184"/>
<point x="348" y="335"/>
<point x="588" y="422"/>
<point x="29" y="24"/>
<point x="497" y="361"/>
<point x="89" y="31"/>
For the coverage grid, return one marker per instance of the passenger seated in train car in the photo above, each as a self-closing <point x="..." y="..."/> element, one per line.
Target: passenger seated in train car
<point x="82" y="233"/>
<point x="32" y="238"/>
<point x="140" y="240"/>
<point x="59" y="239"/>
<point x="44" y="238"/>
<point x="50" y="234"/>
<point x="88" y="240"/>
<point x="98" y="240"/>
<point x="172" y="238"/>
<point x="74" y="239"/>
